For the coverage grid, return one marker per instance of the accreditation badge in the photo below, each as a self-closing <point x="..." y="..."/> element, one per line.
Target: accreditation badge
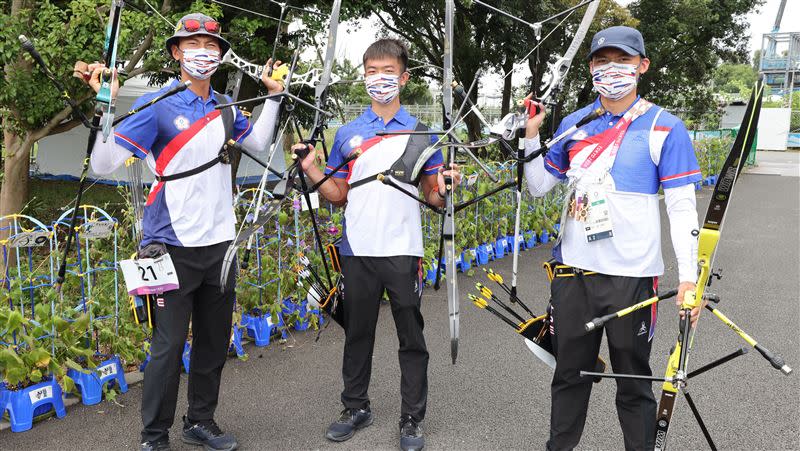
<point x="597" y="223"/>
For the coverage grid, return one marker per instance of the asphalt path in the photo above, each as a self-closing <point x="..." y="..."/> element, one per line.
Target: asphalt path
<point x="497" y="395"/>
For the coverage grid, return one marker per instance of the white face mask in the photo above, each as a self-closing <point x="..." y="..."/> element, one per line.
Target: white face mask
<point x="383" y="88"/>
<point x="615" y="80"/>
<point x="200" y="63"/>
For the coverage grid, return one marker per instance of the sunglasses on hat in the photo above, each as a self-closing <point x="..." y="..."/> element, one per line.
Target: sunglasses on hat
<point x="193" y="25"/>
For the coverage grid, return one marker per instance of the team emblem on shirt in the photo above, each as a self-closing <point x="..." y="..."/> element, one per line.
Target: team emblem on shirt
<point x="356" y="141"/>
<point x="579" y="135"/>
<point x="181" y="122"/>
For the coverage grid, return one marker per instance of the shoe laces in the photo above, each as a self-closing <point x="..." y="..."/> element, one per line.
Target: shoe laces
<point x="408" y="426"/>
<point x="212" y="427"/>
<point x="346" y="414"/>
<point x="160" y="444"/>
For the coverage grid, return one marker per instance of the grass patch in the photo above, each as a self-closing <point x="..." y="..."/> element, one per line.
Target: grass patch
<point x="49" y="199"/>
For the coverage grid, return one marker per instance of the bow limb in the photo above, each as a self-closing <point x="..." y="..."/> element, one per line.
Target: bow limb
<point x="321" y="89"/>
<point x="103" y="120"/>
<point x="448" y="218"/>
<point x="559" y="69"/>
<point x="677" y="374"/>
<point x="558" y="72"/>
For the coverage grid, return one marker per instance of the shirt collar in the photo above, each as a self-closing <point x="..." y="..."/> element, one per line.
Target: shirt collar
<point x="597" y="104"/>
<point x="188" y="96"/>
<point x="402" y="116"/>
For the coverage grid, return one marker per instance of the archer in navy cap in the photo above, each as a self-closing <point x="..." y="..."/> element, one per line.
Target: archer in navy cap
<point x="627" y="39"/>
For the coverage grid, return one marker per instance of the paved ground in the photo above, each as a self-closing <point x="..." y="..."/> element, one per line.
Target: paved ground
<point x="497" y="396"/>
<point x="777" y="163"/>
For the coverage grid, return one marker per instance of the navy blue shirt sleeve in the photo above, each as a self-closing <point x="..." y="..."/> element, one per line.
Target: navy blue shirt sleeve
<point x="137" y="133"/>
<point x="335" y="158"/>
<point x="557" y="159"/>
<point x="435" y="161"/>
<point x="241" y="126"/>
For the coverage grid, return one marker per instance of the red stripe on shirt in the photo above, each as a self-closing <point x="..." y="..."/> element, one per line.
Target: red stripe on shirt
<point x="331" y="168"/>
<point x="682" y="174"/>
<point x="588" y="141"/>
<point x="173" y="147"/>
<point x="153" y="193"/>
<point x="365" y="146"/>
<point x="131" y="142"/>
<point x="661" y="128"/>
<point x="436" y="166"/>
<point x="243" y="132"/>
<point x="552" y="165"/>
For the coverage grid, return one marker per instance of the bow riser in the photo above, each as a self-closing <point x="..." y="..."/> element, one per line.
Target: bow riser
<point x="254" y="71"/>
<point x="105" y="102"/>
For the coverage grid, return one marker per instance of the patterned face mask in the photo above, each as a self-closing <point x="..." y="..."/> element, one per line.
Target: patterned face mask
<point x="383" y="88"/>
<point x="200" y="63"/>
<point x="615" y="80"/>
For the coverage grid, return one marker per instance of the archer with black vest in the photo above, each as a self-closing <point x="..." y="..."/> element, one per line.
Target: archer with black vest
<point x="189" y="214"/>
<point x="608" y="254"/>
<point x="381" y="247"/>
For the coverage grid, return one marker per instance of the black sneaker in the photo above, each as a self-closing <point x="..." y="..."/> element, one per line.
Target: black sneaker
<point x="411" y="438"/>
<point x="156" y="445"/>
<point x="208" y="435"/>
<point x="348" y="423"/>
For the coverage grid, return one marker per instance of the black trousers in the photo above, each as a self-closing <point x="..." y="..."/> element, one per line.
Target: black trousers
<point x="575" y="301"/>
<point x="365" y="278"/>
<point x="198" y="298"/>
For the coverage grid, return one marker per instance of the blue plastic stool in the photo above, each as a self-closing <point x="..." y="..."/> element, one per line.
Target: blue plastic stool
<point x="303" y="322"/>
<point x="531" y="243"/>
<point x="91" y="383"/>
<point x="186" y="357"/>
<point x="26" y="404"/>
<point x="258" y="327"/>
<point x="236" y="341"/>
<point x="490" y="250"/>
<point x="499" y="248"/>
<point x="482" y="254"/>
<point x="463" y="262"/>
<point x="144" y="364"/>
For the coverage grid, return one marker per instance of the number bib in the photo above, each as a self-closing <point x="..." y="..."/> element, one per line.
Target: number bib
<point x="149" y="275"/>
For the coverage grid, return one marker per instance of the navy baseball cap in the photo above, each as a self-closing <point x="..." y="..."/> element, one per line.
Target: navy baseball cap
<point x="627" y="39"/>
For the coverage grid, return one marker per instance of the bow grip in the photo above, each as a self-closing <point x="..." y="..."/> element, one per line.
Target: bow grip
<point x="531" y="107"/>
<point x="279" y="73"/>
<point x="301" y="154"/>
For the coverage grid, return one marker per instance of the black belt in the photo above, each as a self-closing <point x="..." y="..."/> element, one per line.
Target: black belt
<point x="569" y="271"/>
<point x="555" y="269"/>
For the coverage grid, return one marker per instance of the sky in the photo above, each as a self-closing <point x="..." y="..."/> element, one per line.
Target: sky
<point x="359" y="35"/>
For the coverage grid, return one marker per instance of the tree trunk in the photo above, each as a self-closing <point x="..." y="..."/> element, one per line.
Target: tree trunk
<point x="507" y="87"/>
<point x="14" y="191"/>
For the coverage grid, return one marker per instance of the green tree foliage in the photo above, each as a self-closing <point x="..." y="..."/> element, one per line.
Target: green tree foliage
<point x="734" y="80"/>
<point x="685" y="40"/>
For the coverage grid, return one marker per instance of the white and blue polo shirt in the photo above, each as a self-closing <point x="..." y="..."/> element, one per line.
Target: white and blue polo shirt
<point x="379" y="220"/>
<point x="655" y="152"/>
<point x="174" y="135"/>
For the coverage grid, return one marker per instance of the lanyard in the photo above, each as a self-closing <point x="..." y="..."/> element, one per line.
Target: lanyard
<point x="613" y="140"/>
